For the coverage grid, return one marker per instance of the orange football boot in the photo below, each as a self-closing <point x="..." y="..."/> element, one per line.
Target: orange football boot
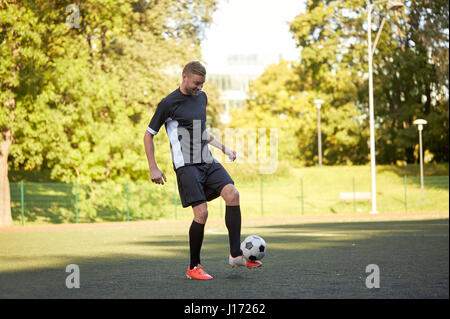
<point x="198" y="273"/>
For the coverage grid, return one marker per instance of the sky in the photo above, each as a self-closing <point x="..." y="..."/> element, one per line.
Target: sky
<point x="248" y="27"/>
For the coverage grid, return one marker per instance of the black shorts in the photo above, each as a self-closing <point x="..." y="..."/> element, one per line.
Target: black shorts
<point x="203" y="182"/>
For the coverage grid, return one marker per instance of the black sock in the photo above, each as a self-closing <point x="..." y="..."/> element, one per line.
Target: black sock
<point x="233" y="223"/>
<point x="195" y="242"/>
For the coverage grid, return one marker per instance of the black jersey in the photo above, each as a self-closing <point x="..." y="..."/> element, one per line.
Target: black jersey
<point x="184" y="117"/>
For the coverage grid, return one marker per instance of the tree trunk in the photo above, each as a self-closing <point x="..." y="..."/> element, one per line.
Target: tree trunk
<point x="5" y="196"/>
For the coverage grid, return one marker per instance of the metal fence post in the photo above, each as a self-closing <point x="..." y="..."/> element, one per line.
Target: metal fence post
<point x="22" y="204"/>
<point x="175" y="199"/>
<point x="76" y="202"/>
<point x="301" y="190"/>
<point x="128" y="202"/>
<point x="262" y="198"/>
<point x="354" y="195"/>
<point x="405" y="181"/>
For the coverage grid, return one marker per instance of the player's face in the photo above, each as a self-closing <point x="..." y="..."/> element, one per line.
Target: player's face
<point x="193" y="83"/>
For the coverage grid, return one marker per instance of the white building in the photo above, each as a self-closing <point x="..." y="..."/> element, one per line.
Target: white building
<point x="233" y="77"/>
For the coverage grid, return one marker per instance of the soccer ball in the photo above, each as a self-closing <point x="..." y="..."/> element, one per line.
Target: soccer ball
<point x="253" y="247"/>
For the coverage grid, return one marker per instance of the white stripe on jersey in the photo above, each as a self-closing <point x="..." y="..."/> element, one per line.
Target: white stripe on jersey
<point x="172" y="133"/>
<point x="151" y="131"/>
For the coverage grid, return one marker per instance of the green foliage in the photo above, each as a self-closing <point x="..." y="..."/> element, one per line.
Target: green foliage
<point x="273" y="104"/>
<point x="277" y="101"/>
<point x="410" y="81"/>
<point x="78" y="100"/>
<point x="410" y="76"/>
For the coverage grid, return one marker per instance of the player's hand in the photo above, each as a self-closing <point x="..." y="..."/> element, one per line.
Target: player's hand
<point x="230" y="153"/>
<point x="157" y="176"/>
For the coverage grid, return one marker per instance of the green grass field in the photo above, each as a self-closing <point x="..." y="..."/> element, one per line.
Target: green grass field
<point x="318" y="245"/>
<point x="306" y="258"/>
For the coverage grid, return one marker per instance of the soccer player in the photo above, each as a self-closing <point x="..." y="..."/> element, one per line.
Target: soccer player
<point x="200" y="177"/>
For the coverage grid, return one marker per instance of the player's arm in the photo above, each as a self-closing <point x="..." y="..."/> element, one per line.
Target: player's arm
<point x="216" y="143"/>
<point x="156" y="175"/>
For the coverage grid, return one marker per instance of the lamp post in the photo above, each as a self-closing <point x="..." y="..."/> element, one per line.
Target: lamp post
<point x="392" y="5"/>
<point x="420" y="123"/>
<point x="318" y="104"/>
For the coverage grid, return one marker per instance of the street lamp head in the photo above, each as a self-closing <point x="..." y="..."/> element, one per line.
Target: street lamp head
<point x="420" y="123"/>
<point x="318" y="103"/>
<point x="395" y="5"/>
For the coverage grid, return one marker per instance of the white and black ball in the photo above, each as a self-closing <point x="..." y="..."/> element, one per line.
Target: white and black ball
<point x="254" y="248"/>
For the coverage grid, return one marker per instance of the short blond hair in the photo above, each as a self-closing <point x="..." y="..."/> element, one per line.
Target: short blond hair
<point x="194" y="67"/>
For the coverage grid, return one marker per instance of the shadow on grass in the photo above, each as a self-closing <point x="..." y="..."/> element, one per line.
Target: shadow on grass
<point x="320" y="260"/>
<point x="432" y="169"/>
<point x="393" y="227"/>
<point x="435" y="175"/>
<point x="30" y="176"/>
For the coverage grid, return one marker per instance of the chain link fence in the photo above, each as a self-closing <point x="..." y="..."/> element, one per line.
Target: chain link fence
<point x="33" y="202"/>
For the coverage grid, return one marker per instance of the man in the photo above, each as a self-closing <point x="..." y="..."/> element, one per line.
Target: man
<point x="200" y="177"/>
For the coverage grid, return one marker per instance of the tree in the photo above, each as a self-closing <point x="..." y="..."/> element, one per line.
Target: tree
<point x="77" y="99"/>
<point x="414" y="83"/>
<point x="410" y="66"/>
<point x="274" y="102"/>
<point x="20" y="74"/>
<point x="287" y="93"/>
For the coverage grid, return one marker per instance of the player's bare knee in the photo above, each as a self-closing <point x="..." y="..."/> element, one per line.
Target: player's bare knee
<point x="231" y="196"/>
<point x="201" y="214"/>
<point x="201" y="217"/>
